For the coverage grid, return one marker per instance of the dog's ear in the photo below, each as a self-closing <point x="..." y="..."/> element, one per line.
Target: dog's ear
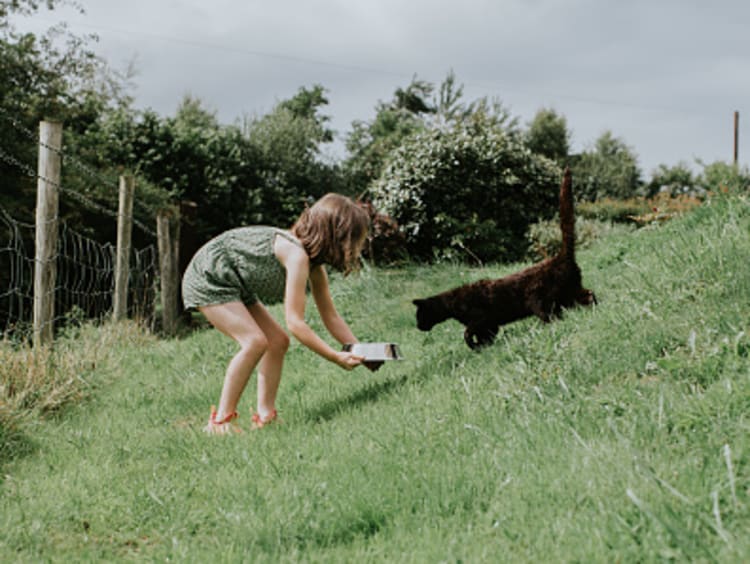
<point x="418" y="302"/>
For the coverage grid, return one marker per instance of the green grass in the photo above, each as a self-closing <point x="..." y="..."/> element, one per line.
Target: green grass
<point x="619" y="433"/>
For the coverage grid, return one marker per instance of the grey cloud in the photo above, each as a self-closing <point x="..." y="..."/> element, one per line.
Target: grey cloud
<point x="665" y="75"/>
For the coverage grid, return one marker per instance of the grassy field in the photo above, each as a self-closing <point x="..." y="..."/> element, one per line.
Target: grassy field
<point x="619" y="433"/>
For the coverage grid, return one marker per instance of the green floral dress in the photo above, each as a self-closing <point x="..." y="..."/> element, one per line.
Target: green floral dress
<point x="238" y="265"/>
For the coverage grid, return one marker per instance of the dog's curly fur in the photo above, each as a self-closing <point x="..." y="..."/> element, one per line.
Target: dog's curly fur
<point x="543" y="289"/>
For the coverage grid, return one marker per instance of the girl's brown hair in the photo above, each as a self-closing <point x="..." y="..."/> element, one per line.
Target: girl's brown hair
<point x="332" y="231"/>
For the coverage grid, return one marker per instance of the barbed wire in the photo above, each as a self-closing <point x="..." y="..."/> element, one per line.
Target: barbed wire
<point x="96" y="176"/>
<point x="87" y="201"/>
<point x="98" y="207"/>
<point x="68" y="158"/>
<point x="26" y="169"/>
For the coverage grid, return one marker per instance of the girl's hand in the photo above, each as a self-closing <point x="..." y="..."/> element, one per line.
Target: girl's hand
<point x="347" y="360"/>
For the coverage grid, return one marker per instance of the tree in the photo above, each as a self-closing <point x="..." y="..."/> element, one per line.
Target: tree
<point x="54" y="75"/>
<point x="674" y="180"/>
<point x="721" y="175"/>
<point x="190" y="156"/>
<point x="548" y="135"/>
<point x="287" y="141"/>
<point x="451" y="110"/>
<point x="305" y="105"/>
<point x="610" y="169"/>
<point x="370" y="143"/>
<point x="448" y="105"/>
<point x="413" y="98"/>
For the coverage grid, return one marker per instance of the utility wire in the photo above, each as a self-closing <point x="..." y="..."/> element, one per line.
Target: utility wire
<point x="489" y="85"/>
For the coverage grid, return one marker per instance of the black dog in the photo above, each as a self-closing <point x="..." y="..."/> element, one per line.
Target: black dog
<point x="543" y="289"/>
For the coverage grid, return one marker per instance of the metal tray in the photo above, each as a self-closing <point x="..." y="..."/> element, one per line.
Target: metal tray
<point x="375" y="351"/>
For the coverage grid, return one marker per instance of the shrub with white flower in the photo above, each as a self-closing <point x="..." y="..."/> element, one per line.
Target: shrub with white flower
<point x="468" y="191"/>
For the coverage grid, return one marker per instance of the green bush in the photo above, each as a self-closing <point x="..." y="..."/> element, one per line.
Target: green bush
<point x="721" y="176"/>
<point x="610" y="209"/>
<point x="673" y="180"/>
<point x="545" y="237"/>
<point x="469" y="191"/>
<point x="638" y="210"/>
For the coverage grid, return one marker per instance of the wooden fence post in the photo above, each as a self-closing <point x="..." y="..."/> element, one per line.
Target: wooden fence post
<point x="168" y="235"/>
<point x="124" y="238"/>
<point x="47" y="203"/>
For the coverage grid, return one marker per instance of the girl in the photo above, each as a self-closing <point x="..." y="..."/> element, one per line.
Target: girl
<point x="232" y="276"/>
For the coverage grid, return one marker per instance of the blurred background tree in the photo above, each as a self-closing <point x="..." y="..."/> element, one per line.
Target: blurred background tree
<point x="369" y="144"/>
<point x="673" y="180"/>
<point x="548" y="135"/>
<point x="721" y="175"/>
<point x="288" y="144"/>
<point x="608" y="170"/>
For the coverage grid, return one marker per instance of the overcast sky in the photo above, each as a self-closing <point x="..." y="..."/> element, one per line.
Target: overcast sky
<point x="664" y="75"/>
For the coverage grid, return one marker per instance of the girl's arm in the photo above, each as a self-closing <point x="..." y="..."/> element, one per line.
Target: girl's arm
<point x="335" y="324"/>
<point x="297" y="267"/>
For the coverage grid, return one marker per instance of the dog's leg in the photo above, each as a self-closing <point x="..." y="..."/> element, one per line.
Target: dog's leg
<point x="537" y="308"/>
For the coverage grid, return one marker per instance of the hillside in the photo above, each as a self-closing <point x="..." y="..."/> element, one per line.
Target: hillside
<point x="619" y="433"/>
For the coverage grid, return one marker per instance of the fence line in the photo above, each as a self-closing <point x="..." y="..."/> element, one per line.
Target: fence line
<point x="77" y="164"/>
<point x="52" y="276"/>
<point x="81" y="198"/>
<point x="84" y="284"/>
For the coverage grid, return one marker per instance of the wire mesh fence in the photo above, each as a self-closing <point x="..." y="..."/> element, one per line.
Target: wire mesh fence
<point x="84" y="284"/>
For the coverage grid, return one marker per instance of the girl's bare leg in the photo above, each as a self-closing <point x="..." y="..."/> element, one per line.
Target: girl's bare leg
<point x="269" y="371"/>
<point x="234" y="320"/>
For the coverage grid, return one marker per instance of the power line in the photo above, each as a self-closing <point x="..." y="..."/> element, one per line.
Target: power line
<point x="232" y="49"/>
<point x="490" y="85"/>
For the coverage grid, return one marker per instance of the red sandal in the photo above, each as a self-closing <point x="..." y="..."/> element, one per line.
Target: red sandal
<point x="259" y="423"/>
<point x="222" y="427"/>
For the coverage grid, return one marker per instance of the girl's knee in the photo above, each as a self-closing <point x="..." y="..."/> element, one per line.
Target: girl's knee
<point x="254" y="344"/>
<point x="279" y="343"/>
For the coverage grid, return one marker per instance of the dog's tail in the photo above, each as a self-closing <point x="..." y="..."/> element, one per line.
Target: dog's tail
<point x="567" y="216"/>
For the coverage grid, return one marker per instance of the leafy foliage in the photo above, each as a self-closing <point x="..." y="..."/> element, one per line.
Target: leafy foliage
<point x="724" y="176"/>
<point x="610" y="169"/>
<point x="680" y="180"/>
<point x="287" y="143"/>
<point x="548" y="135"/>
<point x="370" y="143"/>
<point x="673" y="180"/>
<point x="545" y="237"/>
<point x="468" y="191"/>
<point x="260" y="173"/>
<point x="54" y="75"/>
<point x="188" y="157"/>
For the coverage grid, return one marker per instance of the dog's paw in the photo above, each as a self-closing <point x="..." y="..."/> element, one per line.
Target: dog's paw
<point x="477" y="338"/>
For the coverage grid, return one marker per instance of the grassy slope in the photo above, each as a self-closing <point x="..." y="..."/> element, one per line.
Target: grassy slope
<point x="617" y="433"/>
